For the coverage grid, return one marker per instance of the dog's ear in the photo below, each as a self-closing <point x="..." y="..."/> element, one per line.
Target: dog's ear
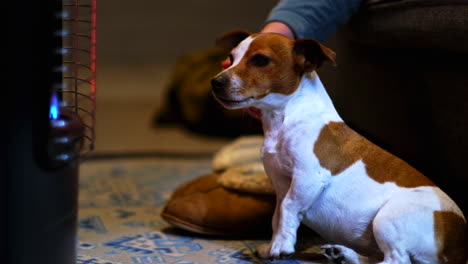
<point x="310" y="54"/>
<point x="231" y="39"/>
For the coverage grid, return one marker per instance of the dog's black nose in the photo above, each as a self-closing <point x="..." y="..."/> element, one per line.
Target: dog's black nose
<point x="218" y="83"/>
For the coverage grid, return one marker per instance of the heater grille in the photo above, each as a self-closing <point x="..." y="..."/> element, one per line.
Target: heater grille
<point x="77" y="90"/>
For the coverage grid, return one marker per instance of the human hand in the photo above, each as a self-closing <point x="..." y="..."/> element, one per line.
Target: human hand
<point x="278" y="27"/>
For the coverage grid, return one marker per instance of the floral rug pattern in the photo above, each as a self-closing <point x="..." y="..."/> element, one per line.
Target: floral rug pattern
<point x="119" y="218"/>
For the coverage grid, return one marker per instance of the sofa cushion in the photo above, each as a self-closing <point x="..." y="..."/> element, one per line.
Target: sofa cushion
<point x="428" y="24"/>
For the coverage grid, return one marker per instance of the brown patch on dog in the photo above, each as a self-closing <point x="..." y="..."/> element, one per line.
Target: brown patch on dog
<point x="278" y="76"/>
<point x="310" y="54"/>
<point x="451" y="237"/>
<point x="288" y="60"/>
<point x="338" y="147"/>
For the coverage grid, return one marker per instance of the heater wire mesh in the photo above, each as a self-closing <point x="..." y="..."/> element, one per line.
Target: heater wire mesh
<point x="77" y="92"/>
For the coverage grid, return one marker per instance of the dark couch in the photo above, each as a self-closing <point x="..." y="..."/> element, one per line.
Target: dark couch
<point x="402" y="81"/>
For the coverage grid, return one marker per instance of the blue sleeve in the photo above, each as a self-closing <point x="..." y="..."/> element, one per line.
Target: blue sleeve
<point x="318" y="19"/>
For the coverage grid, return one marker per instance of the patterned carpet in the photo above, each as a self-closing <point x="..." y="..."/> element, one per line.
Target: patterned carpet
<point x="119" y="223"/>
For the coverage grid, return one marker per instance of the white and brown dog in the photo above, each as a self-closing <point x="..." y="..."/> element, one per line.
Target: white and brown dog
<point x="370" y="205"/>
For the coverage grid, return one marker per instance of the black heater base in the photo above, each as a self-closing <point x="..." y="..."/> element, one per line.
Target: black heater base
<point x="42" y="207"/>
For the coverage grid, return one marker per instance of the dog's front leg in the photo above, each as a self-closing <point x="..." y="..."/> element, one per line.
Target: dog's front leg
<point x="281" y="185"/>
<point x="289" y="213"/>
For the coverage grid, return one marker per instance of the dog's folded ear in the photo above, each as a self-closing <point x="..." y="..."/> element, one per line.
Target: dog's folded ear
<point x="231" y="39"/>
<point x="311" y="54"/>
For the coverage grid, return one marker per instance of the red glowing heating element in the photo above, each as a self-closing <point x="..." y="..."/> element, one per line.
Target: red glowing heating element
<point x="93" y="47"/>
<point x="74" y="98"/>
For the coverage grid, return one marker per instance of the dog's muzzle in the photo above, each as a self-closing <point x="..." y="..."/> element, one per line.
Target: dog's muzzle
<point x="219" y="83"/>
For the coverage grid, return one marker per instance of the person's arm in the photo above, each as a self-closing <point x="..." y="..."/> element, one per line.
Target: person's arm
<point x="318" y="19"/>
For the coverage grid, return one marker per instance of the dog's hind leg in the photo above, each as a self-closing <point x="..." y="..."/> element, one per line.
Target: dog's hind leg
<point x="403" y="231"/>
<point x="339" y="254"/>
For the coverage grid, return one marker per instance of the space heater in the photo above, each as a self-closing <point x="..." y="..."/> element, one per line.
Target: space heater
<point x="50" y="124"/>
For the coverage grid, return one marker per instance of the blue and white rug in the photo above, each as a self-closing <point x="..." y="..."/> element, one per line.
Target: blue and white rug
<point x="119" y="218"/>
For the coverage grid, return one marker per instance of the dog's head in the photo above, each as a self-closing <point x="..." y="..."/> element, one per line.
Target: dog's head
<point x="262" y="64"/>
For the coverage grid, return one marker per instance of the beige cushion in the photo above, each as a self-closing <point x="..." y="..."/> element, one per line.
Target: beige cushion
<point x="203" y="206"/>
<point x="250" y="177"/>
<point x="243" y="150"/>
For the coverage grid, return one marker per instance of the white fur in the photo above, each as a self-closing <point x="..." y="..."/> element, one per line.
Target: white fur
<point x="351" y="210"/>
<point x="236" y="84"/>
<point x="239" y="51"/>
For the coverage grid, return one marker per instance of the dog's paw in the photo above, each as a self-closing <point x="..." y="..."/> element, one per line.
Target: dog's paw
<point x="275" y="250"/>
<point x="335" y="253"/>
<point x="263" y="251"/>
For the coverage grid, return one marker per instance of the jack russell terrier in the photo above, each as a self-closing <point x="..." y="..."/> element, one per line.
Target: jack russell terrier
<point x="370" y="205"/>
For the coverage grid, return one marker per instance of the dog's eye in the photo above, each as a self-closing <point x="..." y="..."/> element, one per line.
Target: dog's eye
<point x="259" y="60"/>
